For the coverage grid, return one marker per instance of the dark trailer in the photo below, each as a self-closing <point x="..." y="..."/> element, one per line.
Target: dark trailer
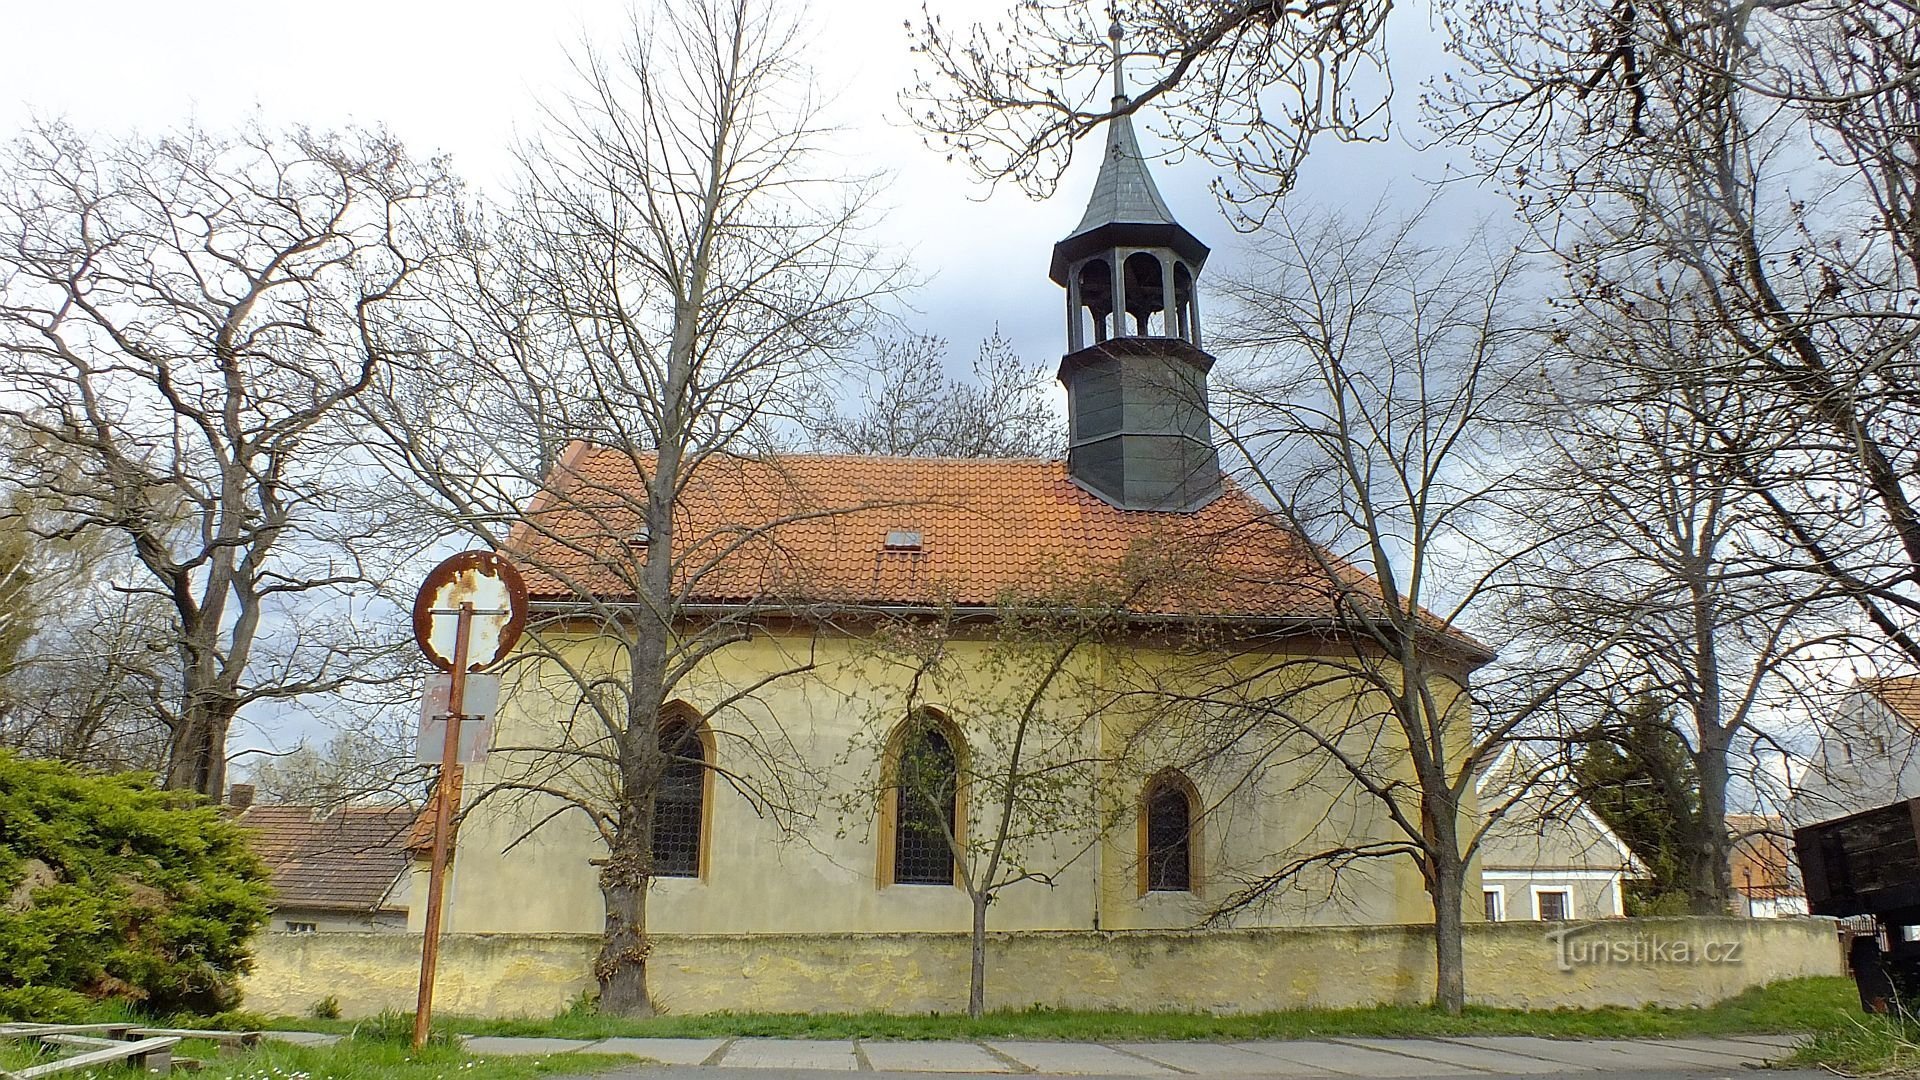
<point x="1868" y="864"/>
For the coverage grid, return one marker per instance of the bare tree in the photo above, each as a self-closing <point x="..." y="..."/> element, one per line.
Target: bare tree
<point x="908" y="406"/>
<point x="90" y="686"/>
<point x="181" y="319"/>
<point x="1370" y="404"/>
<point x="20" y="587"/>
<point x="1242" y="84"/>
<point x="1732" y="191"/>
<point x="1651" y="542"/>
<point x="82" y="657"/>
<point x="675" y="273"/>
<point x="371" y="760"/>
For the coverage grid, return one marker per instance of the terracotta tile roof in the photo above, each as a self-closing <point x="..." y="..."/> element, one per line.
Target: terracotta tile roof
<point x="813" y="529"/>
<point x="340" y="860"/>
<point x="1900" y="694"/>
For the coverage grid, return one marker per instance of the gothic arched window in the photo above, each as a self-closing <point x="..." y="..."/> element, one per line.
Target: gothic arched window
<point x="680" y="802"/>
<point x="1169" y="818"/>
<point x="923" y="803"/>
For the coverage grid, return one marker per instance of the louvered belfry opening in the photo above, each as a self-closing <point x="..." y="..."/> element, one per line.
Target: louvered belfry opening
<point x="1169" y="839"/>
<point x="678" y="812"/>
<point x="926" y="790"/>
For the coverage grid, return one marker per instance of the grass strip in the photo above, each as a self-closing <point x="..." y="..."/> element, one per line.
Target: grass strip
<point x="1864" y="1046"/>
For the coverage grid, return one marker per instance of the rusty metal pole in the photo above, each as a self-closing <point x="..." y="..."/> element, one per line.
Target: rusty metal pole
<point x="446" y="793"/>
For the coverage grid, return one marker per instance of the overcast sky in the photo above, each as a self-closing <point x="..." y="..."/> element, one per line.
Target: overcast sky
<point x="462" y="78"/>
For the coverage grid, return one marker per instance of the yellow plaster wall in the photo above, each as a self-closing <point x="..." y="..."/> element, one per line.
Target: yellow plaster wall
<point x="1512" y="965"/>
<point x="524" y="863"/>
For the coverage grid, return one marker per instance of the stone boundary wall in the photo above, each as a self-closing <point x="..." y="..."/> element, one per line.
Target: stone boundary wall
<point x="1629" y="962"/>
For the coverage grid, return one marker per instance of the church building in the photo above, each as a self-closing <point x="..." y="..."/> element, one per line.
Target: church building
<point x="777" y="816"/>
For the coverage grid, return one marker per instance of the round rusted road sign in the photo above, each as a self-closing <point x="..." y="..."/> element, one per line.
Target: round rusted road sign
<point x="489" y="582"/>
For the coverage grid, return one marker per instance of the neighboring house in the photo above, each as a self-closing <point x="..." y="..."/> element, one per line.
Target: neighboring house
<point x="1764" y="872"/>
<point x="344" y="868"/>
<point x="824" y="548"/>
<point x="1547" y="856"/>
<point x="1869" y="753"/>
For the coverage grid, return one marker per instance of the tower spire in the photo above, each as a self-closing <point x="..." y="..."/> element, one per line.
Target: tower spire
<point x="1124" y="194"/>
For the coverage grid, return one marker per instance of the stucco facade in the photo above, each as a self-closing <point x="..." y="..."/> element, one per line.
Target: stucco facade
<point x="525" y="861"/>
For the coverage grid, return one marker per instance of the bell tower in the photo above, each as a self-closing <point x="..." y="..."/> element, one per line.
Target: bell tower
<point x="1139" y="432"/>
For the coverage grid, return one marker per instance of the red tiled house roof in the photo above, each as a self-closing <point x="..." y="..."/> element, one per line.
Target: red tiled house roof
<point x="1900" y="694"/>
<point x="811" y="529"/>
<point x="344" y="860"/>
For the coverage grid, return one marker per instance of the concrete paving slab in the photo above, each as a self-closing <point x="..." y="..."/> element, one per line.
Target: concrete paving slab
<point x="1675" y="1054"/>
<point x="1213" y="1059"/>
<point x="1612" y="1055"/>
<point x="664" y="1051"/>
<point x="709" y="1072"/>
<point x="1467" y="1057"/>
<point x="1078" y="1059"/>
<point x="1351" y="1060"/>
<point x="499" y="1044"/>
<point x="302" y="1038"/>
<point x="1784" y="1041"/>
<point x="1736" y="1050"/>
<point x="791" y="1054"/>
<point x="932" y="1057"/>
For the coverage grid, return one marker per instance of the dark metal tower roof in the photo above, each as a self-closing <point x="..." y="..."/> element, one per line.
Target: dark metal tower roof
<point x="1126" y="208"/>
<point x="1124" y="192"/>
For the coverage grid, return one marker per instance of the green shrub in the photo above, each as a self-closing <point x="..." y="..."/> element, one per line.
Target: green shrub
<point x="111" y="890"/>
<point x="327" y="1008"/>
<point x="49" y="1004"/>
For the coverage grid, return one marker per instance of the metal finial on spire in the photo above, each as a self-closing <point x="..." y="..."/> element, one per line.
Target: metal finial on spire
<point x="1124" y="196"/>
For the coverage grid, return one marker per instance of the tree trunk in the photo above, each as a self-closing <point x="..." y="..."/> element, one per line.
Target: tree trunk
<point x="197" y="748"/>
<point x="977" y="970"/>
<point x="1449" y="941"/>
<point x="1446" y="874"/>
<point x="1709" y="877"/>
<point x="621" y="967"/>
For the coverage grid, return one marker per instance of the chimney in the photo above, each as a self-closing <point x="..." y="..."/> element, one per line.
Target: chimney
<point x="240" y="796"/>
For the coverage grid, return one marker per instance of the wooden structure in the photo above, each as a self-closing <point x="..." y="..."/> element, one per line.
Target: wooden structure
<point x="1868" y="864"/>
<point x="145" y="1048"/>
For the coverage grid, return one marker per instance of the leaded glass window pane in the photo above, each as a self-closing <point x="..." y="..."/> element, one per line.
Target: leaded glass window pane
<point x="1169" y="840"/>
<point x="677" y="810"/>
<point x="924" y="805"/>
